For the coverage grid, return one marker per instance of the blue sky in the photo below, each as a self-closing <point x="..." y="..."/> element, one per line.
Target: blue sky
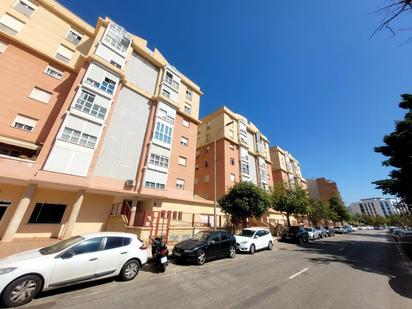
<point x="305" y="72"/>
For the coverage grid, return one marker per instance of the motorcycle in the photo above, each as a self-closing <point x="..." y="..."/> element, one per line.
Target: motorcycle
<point x="160" y="253"/>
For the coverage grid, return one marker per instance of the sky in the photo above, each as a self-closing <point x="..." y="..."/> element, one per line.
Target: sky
<point x="306" y="73"/>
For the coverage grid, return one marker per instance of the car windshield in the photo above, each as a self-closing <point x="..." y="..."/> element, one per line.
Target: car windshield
<point x="61" y="245"/>
<point x="201" y="236"/>
<point x="247" y="233"/>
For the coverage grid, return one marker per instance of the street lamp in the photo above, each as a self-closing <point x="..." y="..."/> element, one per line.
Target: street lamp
<point x="214" y="166"/>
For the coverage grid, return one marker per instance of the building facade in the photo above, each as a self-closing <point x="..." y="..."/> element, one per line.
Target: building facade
<point x="91" y="117"/>
<point x="322" y="188"/>
<point x="376" y="207"/>
<point x="242" y="154"/>
<point x="286" y="169"/>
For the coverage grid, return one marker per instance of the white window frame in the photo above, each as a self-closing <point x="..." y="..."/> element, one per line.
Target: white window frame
<point x="188" y="108"/>
<point x="182" y="161"/>
<point x="159" y="160"/>
<point x="27" y="4"/>
<point x="113" y="37"/>
<point x="232" y="177"/>
<point x="49" y="69"/>
<point x="184" y="121"/>
<point x="180" y="184"/>
<point x="39" y="90"/>
<point x="166" y="93"/>
<point x="9" y="29"/>
<point x="154" y="185"/>
<point x="206" y="178"/>
<point x="28" y="127"/>
<point x="161" y="133"/>
<point x="71" y="30"/>
<point x="61" y="57"/>
<point x="94" y="110"/>
<point x="79" y="138"/>
<point x="189" y="94"/>
<point x="184" y="141"/>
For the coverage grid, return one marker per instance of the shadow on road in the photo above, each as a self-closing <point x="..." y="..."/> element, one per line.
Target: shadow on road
<point x="378" y="255"/>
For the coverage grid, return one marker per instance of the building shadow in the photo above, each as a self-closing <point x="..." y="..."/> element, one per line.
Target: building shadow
<point x="378" y="255"/>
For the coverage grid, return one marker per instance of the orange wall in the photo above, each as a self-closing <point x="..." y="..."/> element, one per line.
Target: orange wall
<point x="20" y="72"/>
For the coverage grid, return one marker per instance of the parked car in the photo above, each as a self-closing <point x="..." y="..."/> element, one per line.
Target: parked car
<point x="397" y="233"/>
<point x="206" y="245"/>
<point x="295" y="233"/>
<point x="348" y="228"/>
<point x="330" y="231"/>
<point x="392" y="228"/>
<point x="252" y="239"/>
<point x="322" y="232"/>
<point x="74" y="260"/>
<point x="339" y="230"/>
<point x="312" y="233"/>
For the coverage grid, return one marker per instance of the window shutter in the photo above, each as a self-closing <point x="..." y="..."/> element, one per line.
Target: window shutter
<point x="40" y="95"/>
<point x="65" y="52"/>
<point x="25" y="120"/>
<point x="11" y="22"/>
<point x="3" y="47"/>
<point x="96" y="73"/>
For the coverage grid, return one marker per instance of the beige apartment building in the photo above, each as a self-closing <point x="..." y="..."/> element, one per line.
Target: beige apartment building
<point x="286" y="169"/>
<point x="323" y="189"/>
<point x="97" y="131"/>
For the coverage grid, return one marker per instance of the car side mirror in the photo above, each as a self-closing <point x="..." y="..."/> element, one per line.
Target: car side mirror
<point x="68" y="254"/>
<point x="256" y="236"/>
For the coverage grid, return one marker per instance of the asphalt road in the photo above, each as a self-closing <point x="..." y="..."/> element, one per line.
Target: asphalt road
<point x="359" y="270"/>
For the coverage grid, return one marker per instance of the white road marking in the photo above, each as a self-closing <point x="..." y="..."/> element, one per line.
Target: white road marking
<point x="297" y="274"/>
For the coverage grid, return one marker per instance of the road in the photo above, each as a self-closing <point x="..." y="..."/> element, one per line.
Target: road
<point x="359" y="270"/>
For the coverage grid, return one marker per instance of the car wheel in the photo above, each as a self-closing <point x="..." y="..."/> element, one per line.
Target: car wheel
<point x="21" y="291"/>
<point x="270" y="245"/>
<point x="201" y="257"/>
<point x="232" y="252"/>
<point x="252" y="249"/>
<point x="129" y="270"/>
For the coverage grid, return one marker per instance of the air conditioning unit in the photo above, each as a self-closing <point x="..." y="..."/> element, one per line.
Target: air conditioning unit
<point x="130" y="182"/>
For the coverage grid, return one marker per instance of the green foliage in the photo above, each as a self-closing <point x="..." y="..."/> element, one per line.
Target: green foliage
<point x="398" y="149"/>
<point x="318" y="211"/>
<point x="291" y="202"/>
<point x="338" y="210"/>
<point x="245" y="200"/>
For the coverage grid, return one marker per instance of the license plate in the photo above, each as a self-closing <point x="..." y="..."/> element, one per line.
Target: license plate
<point x="163" y="260"/>
<point x="177" y="253"/>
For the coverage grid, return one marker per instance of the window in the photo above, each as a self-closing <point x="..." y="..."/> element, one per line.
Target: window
<point x="197" y="166"/>
<point x="9" y="152"/>
<point x="162" y="114"/>
<point x="165" y="93"/>
<point x="196" y="180"/>
<point x="189" y="94"/>
<point x="154" y="185"/>
<point x="24" y="123"/>
<point x="76" y="137"/>
<point x="206" y="164"/>
<point x="64" y="54"/>
<point x="117" y="242"/>
<point x="206" y="178"/>
<point x="180" y="184"/>
<point x="232" y="161"/>
<point x="25" y="7"/>
<point x="231" y="147"/>
<point x="159" y="160"/>
<point x="10" y="24"/>
<point x="85" y="103"/>
<point x="163" y="133"/>
<point x="185" y="123"/>
<point x="245" y="168"/>
<point x="170" y="81"/>
<point x="53" y="72"/>
<point x="107" y="85"/>
<point x="182" y="161"/>
<point x="47" y="213"/>
<point x="74" y="37"/>
<point x="40" y="95"/>
<point x="3" y="208"/>
<point x="117" y="37"/>
<point x="232" y="177"/>
<point x="3" y="47"/>
<point x="88" y="246"/>
<point x="184" y="141"/>
<point x="197" y="154"/>
<point x="188" y="109"/>
<point x="207" y="149"/>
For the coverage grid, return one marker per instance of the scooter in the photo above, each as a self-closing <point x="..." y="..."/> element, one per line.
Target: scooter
<point x="160" y="253"/>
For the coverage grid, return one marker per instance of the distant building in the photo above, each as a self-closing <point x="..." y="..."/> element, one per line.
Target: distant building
<point x="322" y="188"/>
<point x="376" y="207"/>
<point x="286" y="169"/>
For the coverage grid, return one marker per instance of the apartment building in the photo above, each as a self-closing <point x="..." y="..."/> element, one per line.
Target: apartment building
<point x="242" y="154"/>
<point x="322" y="188"/>
<point x="376" y="207"/>
<point x="286" y="169"/>
<point x="91" y="117"/>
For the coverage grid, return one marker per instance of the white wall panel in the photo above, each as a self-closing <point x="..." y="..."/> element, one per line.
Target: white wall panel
<point x="142" y="73"/>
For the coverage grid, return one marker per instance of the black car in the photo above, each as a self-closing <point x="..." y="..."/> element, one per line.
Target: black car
<point x="295" y="233"/>
<point x="330" y="231"/>
<point x="206" y="245"/>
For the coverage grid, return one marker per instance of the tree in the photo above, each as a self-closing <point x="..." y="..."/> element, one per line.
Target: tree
<point x="318" y="211"/>
<point x="338" y="209"/>
<point x="392" y="11"/>
<point x="290" y="201"/>
<point x="398" y="149"/>
<point x="245" y="200"/>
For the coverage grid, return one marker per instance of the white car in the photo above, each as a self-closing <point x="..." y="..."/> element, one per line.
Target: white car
<point x="313" y="233"/>
<point x="252" y="239"/>
<point x="74" y="260"/>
